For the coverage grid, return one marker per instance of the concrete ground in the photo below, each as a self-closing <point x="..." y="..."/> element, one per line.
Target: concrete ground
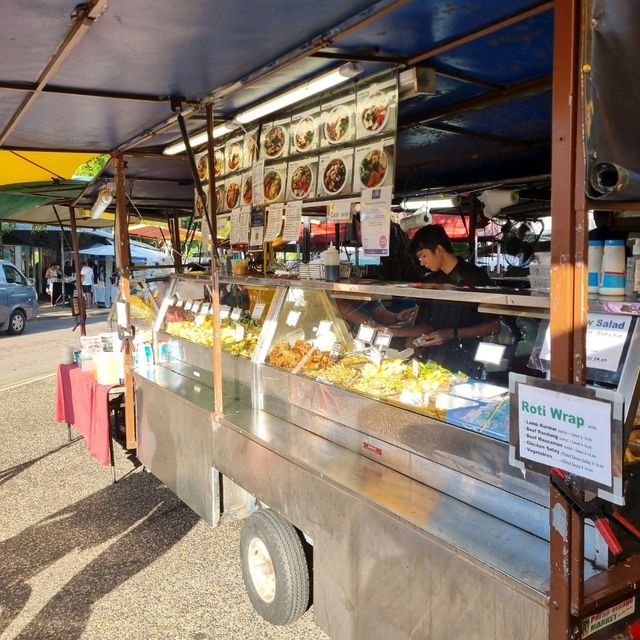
<point x="83" y="558"/>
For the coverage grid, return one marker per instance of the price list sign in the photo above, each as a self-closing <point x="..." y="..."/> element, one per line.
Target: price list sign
<point x="572" y="428"/>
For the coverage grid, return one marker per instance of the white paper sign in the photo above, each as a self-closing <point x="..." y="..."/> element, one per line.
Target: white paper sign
<point x="606" y="335"/>
<point x="489" y="353"/>
<point x="324" y="328"/>
<point x="235" y="227"/>
<point x="244" y="224"/>
<point x="339" y="211"/>
<point x="378" y="196"/>
<point x="366" y="333"/>
<point x="258" y="310"/>
<point x="258" y="183"/>
<point x="224" y="312"/>
<point x="274" y="222"/>
<point x="375" y="230"/>
<point x="239" y="334"/>
<point x="292" y="221"/>
<point x="560" y="430"/>
<point x="236" y="313"/>
<point x="292" y="318"/>
<point x="257" y="233"/>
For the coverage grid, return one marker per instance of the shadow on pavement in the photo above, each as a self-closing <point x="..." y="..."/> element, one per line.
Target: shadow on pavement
<point x="12" y="472"/>
<point x="110" y="512"/>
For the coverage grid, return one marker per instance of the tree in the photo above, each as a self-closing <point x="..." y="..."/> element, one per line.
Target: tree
<point x="92" y="167"/>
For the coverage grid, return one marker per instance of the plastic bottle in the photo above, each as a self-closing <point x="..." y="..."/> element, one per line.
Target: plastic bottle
<point x="331" y="258"/>
<point x="595" y="263"/>
<point x="632" y="284"/>
<point x="613" y="269"/>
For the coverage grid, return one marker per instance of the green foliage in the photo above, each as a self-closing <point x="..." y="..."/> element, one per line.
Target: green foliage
<point x="6" y="228"/>
<point x="93" y="166"/>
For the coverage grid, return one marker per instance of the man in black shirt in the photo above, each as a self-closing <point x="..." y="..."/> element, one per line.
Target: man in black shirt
<point x="450" y="331"/>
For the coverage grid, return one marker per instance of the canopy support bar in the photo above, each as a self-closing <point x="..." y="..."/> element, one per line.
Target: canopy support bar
<point x="85" y="18"/>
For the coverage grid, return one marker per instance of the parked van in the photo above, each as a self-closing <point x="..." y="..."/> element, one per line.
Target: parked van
<point x="18" y="299"/>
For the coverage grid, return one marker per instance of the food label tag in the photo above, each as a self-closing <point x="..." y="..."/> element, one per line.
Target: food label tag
<point x="335" y="350"/>
<point x="415" y="368"/>
<point x="239" y="335"/>
<point x="366" y="333"/>
<point x="236" y="313"/>
<point x="383" y="339"/>
<point x="323" y="328"/>
<point x="489" y="353"/>
<point x="258" y="310"/>
<point x="375" y="355"/>
<point x="195" y="306"/>
<point x="224" y="311"/>
<point x="292" y="318"/>
<point x="199" y="319"/>
<point x="179" y="303"/>
<point x="206" y="309"/>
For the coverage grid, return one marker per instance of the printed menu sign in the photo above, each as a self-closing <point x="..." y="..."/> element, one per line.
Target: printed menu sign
<point x="274" y="222"/>
<point x="570" y="432"/>
<point x="375" y="217"/>
<point x="292" y="220"/>
<point x="606" y="336"/>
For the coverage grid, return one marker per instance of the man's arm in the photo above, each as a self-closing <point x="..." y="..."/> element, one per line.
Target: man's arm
<point x="436" y="338"/>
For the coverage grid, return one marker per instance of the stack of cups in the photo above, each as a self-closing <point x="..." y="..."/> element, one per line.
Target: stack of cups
<point x="595" y="264"/>
<point x="613" y="270"/>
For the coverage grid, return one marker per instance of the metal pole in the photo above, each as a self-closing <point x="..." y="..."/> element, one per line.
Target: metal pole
<point x="174" y="232"/>
<point x="215" y="284"/>
<point x="76" y="259"/>
<point x="124" y="267"/>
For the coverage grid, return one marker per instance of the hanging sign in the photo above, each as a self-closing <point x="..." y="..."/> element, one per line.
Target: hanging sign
<point x="375" y="218"/>
<point x="274" y="222"/>
<point x="292" y="221"/>
<point x="257" y="173"/>
<point x="339" y="211"/>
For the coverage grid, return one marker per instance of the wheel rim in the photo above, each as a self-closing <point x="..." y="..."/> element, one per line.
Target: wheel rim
<point x="17" y="324"/>
<point x="261" y="569"/>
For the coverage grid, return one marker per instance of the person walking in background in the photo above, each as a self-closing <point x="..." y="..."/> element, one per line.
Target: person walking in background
<point x="53" y="274"/>
<point x="86" y="275"/>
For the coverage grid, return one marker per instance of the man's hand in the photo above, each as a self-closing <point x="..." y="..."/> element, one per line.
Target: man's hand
<point x="406" y="314"/>
<point x="436" y="338"/>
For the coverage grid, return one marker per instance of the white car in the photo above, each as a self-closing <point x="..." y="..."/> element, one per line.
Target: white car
<point x="18" y="299"/>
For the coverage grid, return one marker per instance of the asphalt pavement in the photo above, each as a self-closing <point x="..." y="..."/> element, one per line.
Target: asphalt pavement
<point x="81" y="557"/>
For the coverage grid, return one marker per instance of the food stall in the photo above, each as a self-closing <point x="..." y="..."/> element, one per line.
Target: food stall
<point x="389" y="484"/>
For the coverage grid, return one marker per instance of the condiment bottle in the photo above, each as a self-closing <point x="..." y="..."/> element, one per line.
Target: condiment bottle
<point x="614" y="268"/>
<point x="632" y="285"/>
<point x="595" y="263"/>
<point x="331" y="259"/>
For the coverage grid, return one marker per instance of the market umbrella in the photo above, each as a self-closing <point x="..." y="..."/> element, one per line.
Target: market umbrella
<point x="137" y="252"/>
<point x="37" y="166"/>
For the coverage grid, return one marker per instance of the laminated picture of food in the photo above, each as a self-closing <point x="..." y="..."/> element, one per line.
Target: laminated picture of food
<point x="232" y="195"/>
<point x="218" y="161"/>
<point x="335" y="175"/>
<point x="304" y="133"/>
<point x="336" y="125"/>
<point x="272" y="185"/>
<point x="375" y="112"/>
<point x="250" y="143"/>
<point x="247" y="190"/>
<point x="274" y="140"/>
<point x="234" y="157"/>
<point x="203" y="168"/>
<point x="219" y="200"/>
<point x="301" y="181"/>
<point x="201" y="205"/>
<point x="373" y="168"/>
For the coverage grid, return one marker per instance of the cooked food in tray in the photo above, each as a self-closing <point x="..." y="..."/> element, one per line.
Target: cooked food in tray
<point x="335" y="175"/>
<point x="272" y="185"/>
<point x="301" y="181"/>
<point x="373" y="168"/>
<point x="274" y="140"/>
<point x="337" y="124"/>
<point x="300" y="354"/>
<point x="375" y="112"/>
<point x="304" y="132"/>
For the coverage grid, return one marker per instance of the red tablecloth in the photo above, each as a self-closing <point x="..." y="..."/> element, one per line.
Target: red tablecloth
<point x="84" y="403"/>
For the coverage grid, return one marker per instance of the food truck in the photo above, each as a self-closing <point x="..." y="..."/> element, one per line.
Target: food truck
<point x="403" y="495"/>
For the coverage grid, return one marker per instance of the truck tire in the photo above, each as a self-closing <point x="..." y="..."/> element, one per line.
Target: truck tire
<point x="17" y="322"/>
<point x="274" y="567"/>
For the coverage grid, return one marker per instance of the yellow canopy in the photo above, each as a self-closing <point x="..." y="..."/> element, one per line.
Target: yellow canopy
<point x="38" y="166"/>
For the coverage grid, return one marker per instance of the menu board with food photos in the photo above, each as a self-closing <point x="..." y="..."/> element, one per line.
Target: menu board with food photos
<point x="332" y="150"/>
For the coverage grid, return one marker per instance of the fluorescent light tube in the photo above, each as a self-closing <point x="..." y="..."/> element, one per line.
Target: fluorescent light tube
<point x="104" y="199"/>
<point x="306" y="90"/>
<point x="436" y="203"/>
<point x="198" y="139"/>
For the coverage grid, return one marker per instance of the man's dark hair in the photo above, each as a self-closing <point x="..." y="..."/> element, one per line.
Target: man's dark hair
<point x="430" y="237"/>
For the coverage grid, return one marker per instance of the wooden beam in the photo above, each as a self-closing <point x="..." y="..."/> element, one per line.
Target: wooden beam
<point x="78" y="266"/>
